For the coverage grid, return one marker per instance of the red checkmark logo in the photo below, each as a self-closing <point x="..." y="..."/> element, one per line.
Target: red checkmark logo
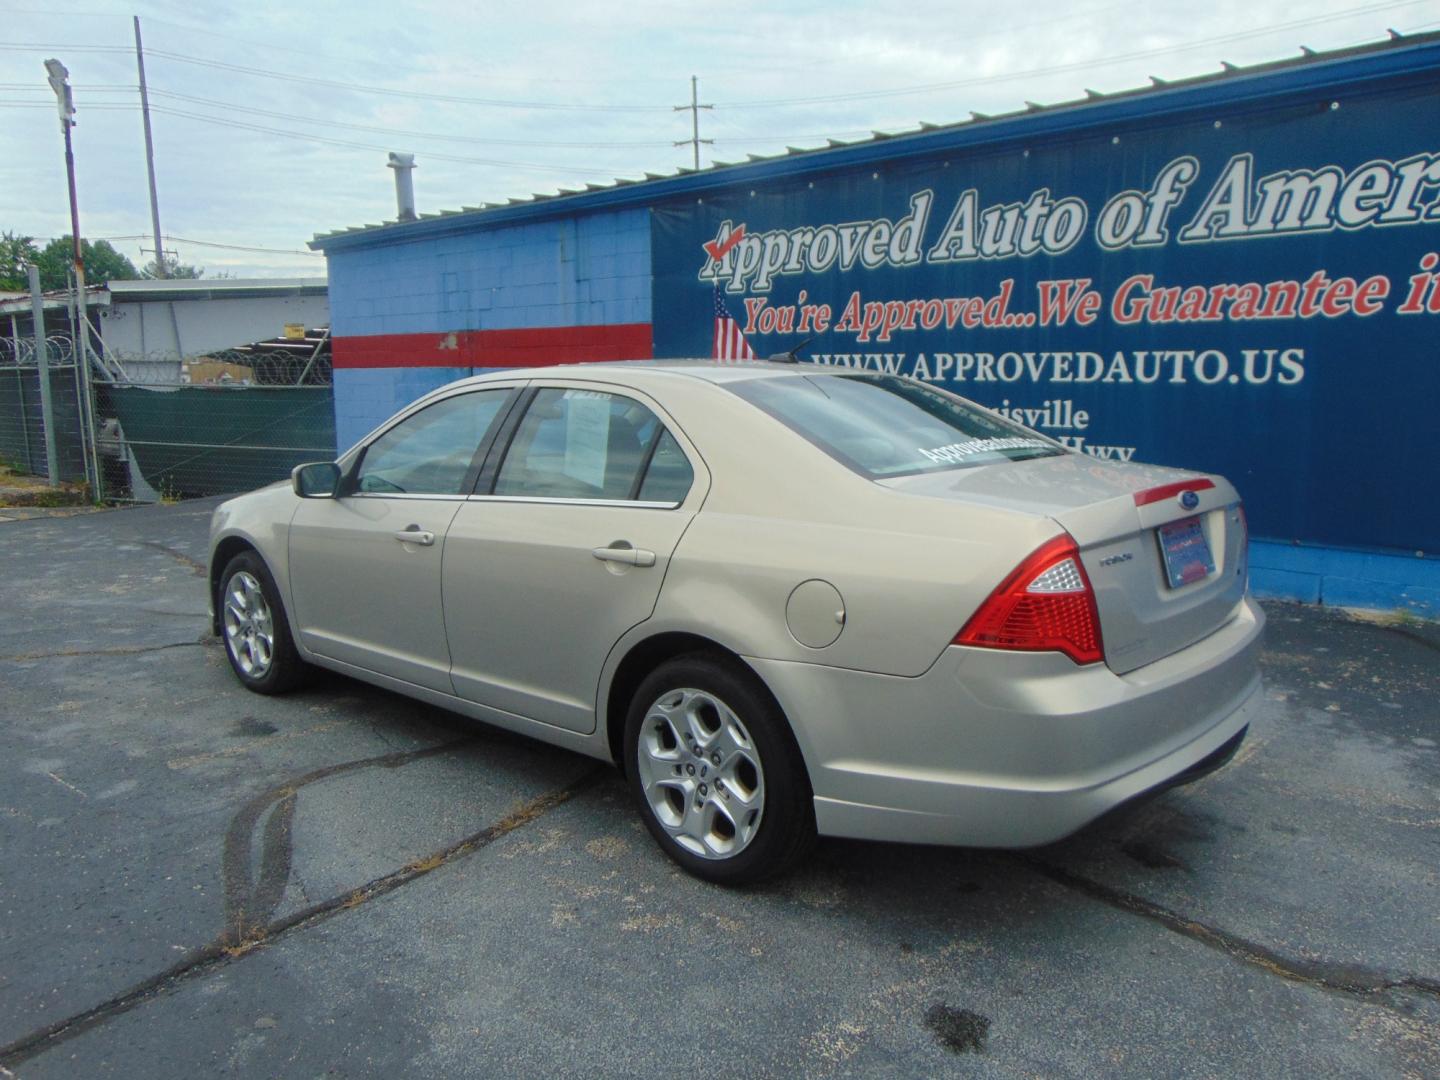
<point x="719" y="251"/>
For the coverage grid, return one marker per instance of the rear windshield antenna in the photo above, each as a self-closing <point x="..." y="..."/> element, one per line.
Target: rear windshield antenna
<point x="791" y="357"/>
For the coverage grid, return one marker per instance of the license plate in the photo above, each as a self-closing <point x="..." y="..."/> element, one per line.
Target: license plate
<point x="1186" y="551"/>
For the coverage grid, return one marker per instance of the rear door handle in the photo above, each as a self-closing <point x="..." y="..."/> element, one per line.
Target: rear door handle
<point x="622" y="552"/>
<point x="415" y="535"/>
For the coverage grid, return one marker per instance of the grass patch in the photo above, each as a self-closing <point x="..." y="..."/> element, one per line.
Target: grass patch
<point x="19" y="489"/>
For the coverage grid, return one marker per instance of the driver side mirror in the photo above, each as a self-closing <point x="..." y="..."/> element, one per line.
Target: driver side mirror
<point x="317" y="480"/>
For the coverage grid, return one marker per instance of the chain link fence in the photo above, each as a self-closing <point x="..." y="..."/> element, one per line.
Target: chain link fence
<point x="169" y="427"/>
<point x="22" y="418"/>
<point x="215" y="424"/>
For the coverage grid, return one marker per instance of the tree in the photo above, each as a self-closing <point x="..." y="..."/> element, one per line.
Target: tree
<point x="174" y="268"/>
<point x="15" y="252"/>
<point x="102" y="263"/>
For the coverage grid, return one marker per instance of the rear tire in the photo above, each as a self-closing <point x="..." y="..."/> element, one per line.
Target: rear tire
<point x="715" y="771"/>
<point x="254" y="628"/>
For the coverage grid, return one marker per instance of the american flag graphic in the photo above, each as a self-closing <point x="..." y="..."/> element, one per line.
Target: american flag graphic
<point x="729" y="343"/>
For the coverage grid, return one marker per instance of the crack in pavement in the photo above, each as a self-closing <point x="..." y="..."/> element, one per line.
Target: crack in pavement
<point x="249" y="905"/>
<point x="118" y="650"/>
<point x="245" y="935"/>
<point x="1353" y="979"/>
<point x="196" y="566"/>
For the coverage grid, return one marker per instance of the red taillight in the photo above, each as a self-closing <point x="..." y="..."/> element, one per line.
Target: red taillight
<point x="1045" y="605"/>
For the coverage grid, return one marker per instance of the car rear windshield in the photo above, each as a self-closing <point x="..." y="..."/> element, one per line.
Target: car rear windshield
<point x="883" y="426"/>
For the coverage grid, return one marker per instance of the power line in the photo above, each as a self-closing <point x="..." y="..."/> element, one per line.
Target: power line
<point x="314" y="54"/>
<point x="595" y="145"/>
<point x="313" y="138"/>
<point x="311" y="80"/>
<point x="751" y="104"/>
<point x="494" y="103"/>
<point x="729" y="140"/>
<point x="96" y="105"/>
<point x="1078" y="65"/>
<point x="27" y="46"/>
<point x="169" y="239"/>
<point x="270" y="46"/>
<point x="30" y="87"/>
<point x="763" y="67"/>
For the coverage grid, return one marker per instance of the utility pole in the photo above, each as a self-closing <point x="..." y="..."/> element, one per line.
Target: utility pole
<point x="694" y="110"/>
<point x="160" y="270"/>
<point x="60" y="82"/>
<point x="59" y="77"/>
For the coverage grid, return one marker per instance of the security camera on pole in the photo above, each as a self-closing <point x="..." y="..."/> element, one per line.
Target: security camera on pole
<point x="60" y="82"/>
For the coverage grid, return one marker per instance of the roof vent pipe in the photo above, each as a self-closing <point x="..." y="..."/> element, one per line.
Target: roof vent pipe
<point x="404" y="165"/>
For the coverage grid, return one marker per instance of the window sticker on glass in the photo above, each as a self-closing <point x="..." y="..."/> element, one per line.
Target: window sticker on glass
<point x="958" y="451"/>
<point x="587" y="436"/>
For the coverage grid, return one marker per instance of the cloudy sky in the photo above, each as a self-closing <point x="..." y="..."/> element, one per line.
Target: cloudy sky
<point x="272" y="119"/>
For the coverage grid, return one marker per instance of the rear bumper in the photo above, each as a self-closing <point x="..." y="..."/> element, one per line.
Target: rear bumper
<point x="1000" y="749"/>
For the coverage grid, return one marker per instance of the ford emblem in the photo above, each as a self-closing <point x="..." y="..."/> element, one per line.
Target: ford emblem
<point x="1189" y="500"/>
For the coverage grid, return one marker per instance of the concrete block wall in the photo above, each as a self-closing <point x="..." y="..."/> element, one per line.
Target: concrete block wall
<point x="1339" y="578"/>
<point x="407" y="318"/>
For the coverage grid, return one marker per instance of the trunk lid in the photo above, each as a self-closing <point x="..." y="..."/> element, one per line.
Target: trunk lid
<point x="1165" y="574"/>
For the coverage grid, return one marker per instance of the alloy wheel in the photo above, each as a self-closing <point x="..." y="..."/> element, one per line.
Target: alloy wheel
<point x="249" y="625"/>
<point x="701" y="773"/>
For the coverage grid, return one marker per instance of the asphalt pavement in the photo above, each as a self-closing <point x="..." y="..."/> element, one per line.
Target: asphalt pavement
<point x="197" y="881"/>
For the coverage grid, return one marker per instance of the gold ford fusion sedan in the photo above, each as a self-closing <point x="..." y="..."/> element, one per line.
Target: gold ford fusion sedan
<point x="785" y="600"/>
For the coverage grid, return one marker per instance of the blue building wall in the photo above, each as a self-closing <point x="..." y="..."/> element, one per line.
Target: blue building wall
<point x="412" y="316"/>
<point x="367" y="397"/>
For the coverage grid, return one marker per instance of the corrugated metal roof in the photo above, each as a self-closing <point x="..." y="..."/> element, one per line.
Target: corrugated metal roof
<point x="53" y="300"/>
<point x="143" y="289"/>
<point x="838" y="153"/>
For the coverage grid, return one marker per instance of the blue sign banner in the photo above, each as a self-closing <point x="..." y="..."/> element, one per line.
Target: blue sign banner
<point x="1255" y="294"/>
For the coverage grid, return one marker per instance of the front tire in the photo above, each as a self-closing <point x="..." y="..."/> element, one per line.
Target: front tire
<point x="715" y="771"/>
<point x="254" y="627"/>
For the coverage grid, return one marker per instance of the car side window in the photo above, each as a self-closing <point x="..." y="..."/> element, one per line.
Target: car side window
<point x="430" y="452"/>
<point x="669" y="475"/>
<point x="579" y="444"/>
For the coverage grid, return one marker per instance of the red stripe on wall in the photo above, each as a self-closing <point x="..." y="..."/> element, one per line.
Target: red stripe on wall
<point x="534" y="347"/>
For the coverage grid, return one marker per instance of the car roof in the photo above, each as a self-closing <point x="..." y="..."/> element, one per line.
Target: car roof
<point x="713" y="371"/>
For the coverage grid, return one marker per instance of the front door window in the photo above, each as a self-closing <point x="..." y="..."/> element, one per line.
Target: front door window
<point x="431" y="452"/>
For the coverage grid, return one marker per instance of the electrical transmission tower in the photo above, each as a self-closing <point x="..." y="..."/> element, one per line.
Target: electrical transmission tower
<point x="694" y="110"/>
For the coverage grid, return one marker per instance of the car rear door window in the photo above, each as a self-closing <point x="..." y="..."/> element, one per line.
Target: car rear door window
<point x="431" y="451"/>
<point x="588" y="444"/>
<point x="670" y="475"/>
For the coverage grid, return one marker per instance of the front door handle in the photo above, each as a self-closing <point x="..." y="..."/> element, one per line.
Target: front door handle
<point x="415" y="535"/>
<point x="622" y="552"/>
